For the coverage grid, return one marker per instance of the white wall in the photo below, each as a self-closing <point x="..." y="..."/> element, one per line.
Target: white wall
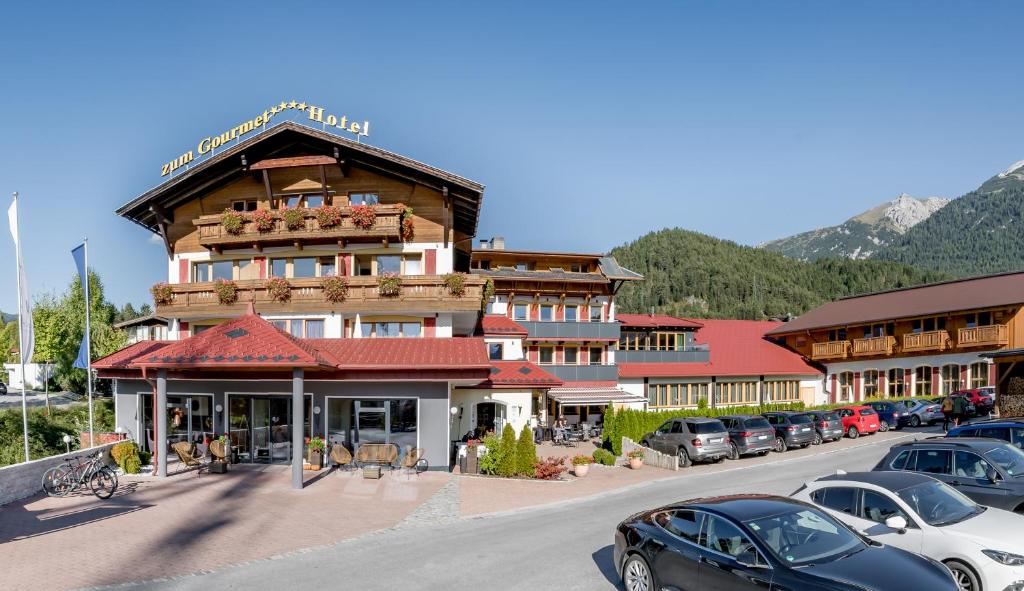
<point x="36" y="372"/>
<point x="512" y="348"/>
<point x="884" y="365"/>
<point x="517" y="407"/>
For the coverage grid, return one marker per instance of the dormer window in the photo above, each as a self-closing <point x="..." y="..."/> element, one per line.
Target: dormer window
<point x="363" y="199"/>
<point x="521" y="266"/>
<point x="576" y="268"/>
<point x="247" y="205"/>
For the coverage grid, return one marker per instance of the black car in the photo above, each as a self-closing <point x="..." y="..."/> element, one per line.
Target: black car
<point x="748" y="435"/>
<point x="989" y="471"/>
<point x="891" y="415"/>
<point x="761" y="542"/>
<point x="3" y="389"/>
<point x="1009" y="430"/>
<point x="828" y="424"/>
<point x="792" y="429"/>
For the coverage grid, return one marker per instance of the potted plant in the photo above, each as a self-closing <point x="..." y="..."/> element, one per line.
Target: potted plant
<point x="581" y="465"/>
<point x="226" y="290"/>
<point x="294" y="218"/>
<point x="408" y="226"/>
<point x="636" y="459"/>
<point x="262" y="219"/>
<point x="328" y="216"/>
<point x="335" y="288"/>
<point x="456" y="284"/>
<point x="232" y="221"/>
<point x="364" y="216"/>
<point x="279" y="289"/>
<point x="389" y="285"/>
<point x="163" y="293"/>
<point x="316" y="452"/>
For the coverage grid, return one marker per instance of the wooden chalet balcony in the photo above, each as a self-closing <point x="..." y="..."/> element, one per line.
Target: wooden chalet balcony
<point x="874" y="346"/>
<point x="996" y="335"/>
<point x="830" y="350"/>
<point x="933" y="340"/>
<point x="386" y="226"/>
<point x="418" y="293"/>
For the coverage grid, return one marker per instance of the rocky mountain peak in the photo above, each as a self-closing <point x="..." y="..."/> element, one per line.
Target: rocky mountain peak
<point x="905" y="211"/>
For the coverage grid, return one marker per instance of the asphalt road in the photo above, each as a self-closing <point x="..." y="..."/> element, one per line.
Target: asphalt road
<point x="565" y="547"/>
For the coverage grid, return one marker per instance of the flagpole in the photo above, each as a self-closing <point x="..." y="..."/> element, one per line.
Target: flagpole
<point x="21" y="320"/>
<point x="88" y="342"/>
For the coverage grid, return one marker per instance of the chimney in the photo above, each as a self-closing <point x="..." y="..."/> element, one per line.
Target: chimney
<point x="498" y="243"/>
<point x="485" y="245"/>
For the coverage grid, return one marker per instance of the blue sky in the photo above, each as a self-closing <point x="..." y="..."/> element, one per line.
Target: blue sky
<point x="591" y="123"/>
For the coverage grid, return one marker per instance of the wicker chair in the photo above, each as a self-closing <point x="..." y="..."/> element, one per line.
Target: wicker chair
<point x="342" y="457"/>
<point x="218" y="451"/>
<point x="377" y="454"/>
<point x="414" y="462"/>
<point x="187" y="455"/>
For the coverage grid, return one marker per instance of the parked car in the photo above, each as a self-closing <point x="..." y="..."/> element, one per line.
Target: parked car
<point x="924" y="412"/>
<point x="748" y="435"/>
<point x="982" y="546"/>
<point x="858" y="420"/>
<point x="891" y="415"/>
<point x="1009" y="430"/>
<point x="691" y="439"/>
<point x="761" y="542"/>
<point x="982" y="400"/>
<point x="989" y="471"/>
<point x="828" y="424"/>
<point x="3" y="389"/>
<point x="792" y="429"/>
<point x="970" y="410"/>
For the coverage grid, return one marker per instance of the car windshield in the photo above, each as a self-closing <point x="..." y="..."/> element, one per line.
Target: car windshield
<point x="939" y="504"/>
<point x="805" y="536"/>
<point x="867" y="412"/>
<point x="757" y="423"/>
<point x="801" y="419"/>
<point x="1009" y="458"/>
<point x="709" y="427"/>
<point x="829" y="416"/>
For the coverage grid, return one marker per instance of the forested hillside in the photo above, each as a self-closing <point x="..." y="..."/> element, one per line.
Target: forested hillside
<point x="694" y="275"/>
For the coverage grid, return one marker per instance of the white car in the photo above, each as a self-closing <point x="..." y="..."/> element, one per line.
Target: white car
<point x="984" y="547"/>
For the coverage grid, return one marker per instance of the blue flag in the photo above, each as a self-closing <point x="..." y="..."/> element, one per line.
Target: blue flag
<point x="82" y="361"/>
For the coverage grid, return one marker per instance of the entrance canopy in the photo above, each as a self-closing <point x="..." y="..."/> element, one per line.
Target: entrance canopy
<point x="592" y="395"/>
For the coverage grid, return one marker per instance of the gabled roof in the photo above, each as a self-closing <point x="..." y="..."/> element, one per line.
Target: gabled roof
<point x="226" y="166"/>
<point x="738" y="348"/>
<point x="1005" y="289"/>
<point x="123" y="358"/>
<point x="147" y="319"/>
<point x="655" y="321"/>
<point x="510" y="374"/>
<point x="496" y="325"/>
<point x="405" y="354"/>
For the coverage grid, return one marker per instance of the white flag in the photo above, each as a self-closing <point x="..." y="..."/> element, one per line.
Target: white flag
<point x="28" y="341"/>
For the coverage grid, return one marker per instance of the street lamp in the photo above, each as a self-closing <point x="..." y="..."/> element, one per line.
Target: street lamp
<point x="67" y="442"/>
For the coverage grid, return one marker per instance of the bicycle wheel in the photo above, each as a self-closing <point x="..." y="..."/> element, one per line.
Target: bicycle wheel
<point x="56" y="482"/>
<point x="103" y="483"/>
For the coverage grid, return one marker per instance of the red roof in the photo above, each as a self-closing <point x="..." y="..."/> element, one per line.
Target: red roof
<point x="123" y="358"/>
<point x="494" y="325"/>
<point x="655" y="321"/>
<point x="404" y="354"/>
<point x="738" y="348"/>
<point x="510" y="374"/>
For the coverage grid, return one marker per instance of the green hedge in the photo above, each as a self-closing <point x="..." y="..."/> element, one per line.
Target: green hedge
<point x="46" y="433"/>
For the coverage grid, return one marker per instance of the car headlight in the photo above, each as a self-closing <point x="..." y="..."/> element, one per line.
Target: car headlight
<point x="1004" y="557"/>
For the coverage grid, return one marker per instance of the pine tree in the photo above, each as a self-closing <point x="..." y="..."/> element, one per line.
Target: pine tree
<point x="507" y="461"/>
<point x="526" y="452"/>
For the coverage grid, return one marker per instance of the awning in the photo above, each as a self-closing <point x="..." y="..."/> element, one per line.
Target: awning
<point x="592" y="396"/>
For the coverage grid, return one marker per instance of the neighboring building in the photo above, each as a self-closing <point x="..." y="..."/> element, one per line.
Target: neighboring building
<point x="921" y="341"/>
<point x="37" y="374"/>
<point x="144" y="328"/>
<point x="675" y="363"/>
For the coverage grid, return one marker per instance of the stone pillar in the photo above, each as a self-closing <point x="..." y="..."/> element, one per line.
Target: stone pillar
<point x="297" y="422"/>
<point x="160" y="438"/>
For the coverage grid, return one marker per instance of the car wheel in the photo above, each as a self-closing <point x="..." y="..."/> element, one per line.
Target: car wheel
<point x="852" y="433"/>
<point x="637" y="575"/>
<point x="915" y="421"/>
<point x="684" y="458"/>
<point x="734" y="452"/>
<point x="817" y="439"/>
<point x="883" y="426"/>
<point x="780" y="444"/>
<point x="965" y="577"/>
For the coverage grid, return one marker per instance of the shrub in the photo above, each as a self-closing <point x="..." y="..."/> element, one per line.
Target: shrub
<point x="526" y="452"/>
<point x="335" y="288"/>
<point x="317" y="444"/>
<point x="227" y="291"/>
<point x="328" y="216"/>
<point x="126" y="455"/>
<point x="232" y="221"/>
<point x="162" y="292"/>
<point x="145" y="458"/>
<point x="132" y="465"/>
<point x="279" y="289"/>
<point x="262" y="219"/>
<point x="507" y="466"/>
<point x="364" y="216"/>
<point x="549" y="468"/>
<point x="294" y="218"/>
<point x="493" y="458"/>
<point x="582" y="460"/>
<point x="389" y="285"/>
<point x="456" y="284"/>
<point x="604" y="457"/>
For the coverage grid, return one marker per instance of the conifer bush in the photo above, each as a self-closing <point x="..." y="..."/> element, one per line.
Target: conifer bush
<point x="507" y="461"/>
<point x="526" y="452"/>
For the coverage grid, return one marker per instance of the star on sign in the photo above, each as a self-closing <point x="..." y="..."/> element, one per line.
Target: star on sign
<point x="302" y="106"/>
<point x="283" y="105"/>
<point x="293" y="105"/>
<point x="274" y="110"/>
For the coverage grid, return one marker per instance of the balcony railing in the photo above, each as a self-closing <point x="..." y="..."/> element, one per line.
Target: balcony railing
<point x="874" y="346"/>
<point x="584" y="373"/>
<point x="995" y="335"/>
<point x="418" y="292"/>
<point x="933" y="340"/>
<point x="386" y="225"/>
<point x="684" y="356"/>
<point x="573" y="331"/>
<point x="830" y="350"/>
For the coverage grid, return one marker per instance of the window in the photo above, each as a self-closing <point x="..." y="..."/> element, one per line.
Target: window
<point x="900" y="462"/>
<point x="923" y="381"/>
<point x="846" y="386"/>
<point x="547" y="313"/>
<point x="894" y="383"/>
<point x="978" y="319"/>
<point x="595" y="313"/>
<point x="521" y="267"/>
<point x="248" y="205"/>
<point x="304" y="267"/>
<point x="878" y="507"/>
<point x="871" y="383"/>
<point x="296" y="328"/>
<point x="932" y="461"/>
<point x="315" y="200"/>
<point x="387" y="330"/>
<point x="410" y="329"/>
<point x="280" y="324"/>
<point x="838" y="334"/>
<point x="726" y="538"/>
<point x="363" y="199"/>
<point x="572" y="355"/>
<point x="366" y="329"/>
<point x="413" y="265"/>
<point x="571" y="313"/>
<point x="223" y="270"/>
<point x="970" y="465"/>
<point x="990" y="432"/>
<point x="289" y="201"/>
<point x="389" y="263"/>
<point x="495" y="351"/>
<point x="595" y="356"/>
<point x="327" y="267"/>
<point x="780" y="391"/>
<point x="837" y="498"/>
<point x="248" y="269"/>
<point x="314" y="329"/>
<point x="520" y="312"/>
<point x="682" y="524"/>
<point x="201" y="272"/>
<point x="547" y="355"/>
<point x="278" y="267"/>
<point x="950" y="378"/>
<point x="199" y="328"/>
<point x="979" y="374"/>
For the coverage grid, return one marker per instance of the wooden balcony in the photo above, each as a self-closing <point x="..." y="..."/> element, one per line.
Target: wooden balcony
<point x="996" y="335"/>
<point x="426" y="293"/>
<point x="830" y="350"/>
<point x="387" y="226"/>
<point x="874" y="346"/>
<point x="933" y="340"/>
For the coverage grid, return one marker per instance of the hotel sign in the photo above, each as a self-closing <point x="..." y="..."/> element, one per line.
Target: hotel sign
<point x="316" y="114"/>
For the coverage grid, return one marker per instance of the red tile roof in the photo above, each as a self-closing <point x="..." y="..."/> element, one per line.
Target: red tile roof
<point x="738" y="348"/>
<point x="507" y="374"/>
<point x="655" y="321"/>
<point x="123" y="358"/>
<point x="495" y="325"/>
<point x="405" y="354"/>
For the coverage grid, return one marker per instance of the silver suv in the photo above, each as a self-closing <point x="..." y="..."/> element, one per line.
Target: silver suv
<point x="691" y="439"/>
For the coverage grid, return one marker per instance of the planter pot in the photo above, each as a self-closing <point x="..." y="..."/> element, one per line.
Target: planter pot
<point x="316" y="458"/>
<point x="636" y="463"/>
<point x="581" y="470"/>
<point x="218" y="467"/>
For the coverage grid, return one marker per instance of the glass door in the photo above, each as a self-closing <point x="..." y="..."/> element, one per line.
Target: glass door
<point x="280" y="422"/>
<point x="371" y="422"/>
<point x="238" y="427"/>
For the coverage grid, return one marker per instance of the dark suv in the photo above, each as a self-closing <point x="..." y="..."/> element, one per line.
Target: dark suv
<point x="1009" y="430"/>
<point x="989" y="471"/>
<point x="891" y="415"/>
<point x="828" y="424"/>
<point x="792" y="429"/>
<point x="749" y="435"/>
<point x="692" y="439"/>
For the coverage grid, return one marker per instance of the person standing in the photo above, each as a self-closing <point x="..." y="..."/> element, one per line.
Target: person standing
<point x="959" y="408"/>
<point x="947" y="412"/>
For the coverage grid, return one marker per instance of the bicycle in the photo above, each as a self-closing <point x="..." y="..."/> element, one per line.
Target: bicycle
<point x="59" y="481"/>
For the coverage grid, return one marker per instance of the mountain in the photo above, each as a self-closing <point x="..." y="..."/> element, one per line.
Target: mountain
<point x="979" y="233"/>
<point x="693" y="275"/>
<point x="862" y="235"/>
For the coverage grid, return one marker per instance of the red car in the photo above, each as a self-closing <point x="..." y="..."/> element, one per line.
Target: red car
<point x="858" y="420"/>
<point x="981" y="398"/>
